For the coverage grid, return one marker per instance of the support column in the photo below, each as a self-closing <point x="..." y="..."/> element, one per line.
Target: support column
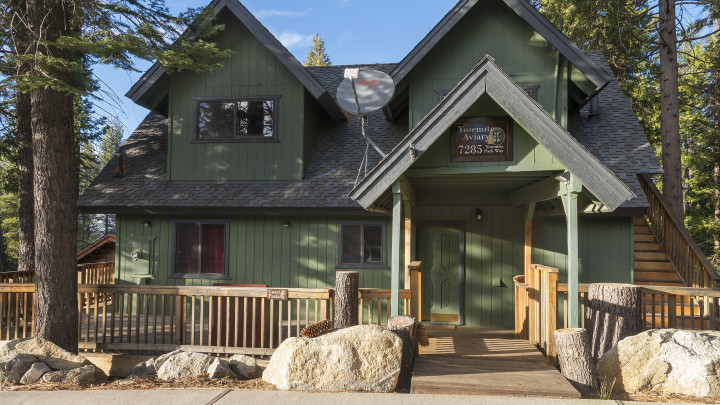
<point x="528" y="238"/>
<point x="570" y="202"/>
<point x="395" y="264"/>
<point x="407" y="213"/>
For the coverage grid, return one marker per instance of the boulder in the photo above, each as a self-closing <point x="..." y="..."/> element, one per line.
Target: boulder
<point x="54" y="376"/>
<point x="82" y="376"/>
<point x="358" y="358"/>
<point x="244" y="366"/>
<point x="14" y="366"/>
<point x="665" y="360"/>
<point x="220" y="369"/>
<point x="47" y="352"/>
<point x="143" y="369"/>
<point x="184" y="364"/>
<point x="158" y="362"/>
<point x="34" y="373"/>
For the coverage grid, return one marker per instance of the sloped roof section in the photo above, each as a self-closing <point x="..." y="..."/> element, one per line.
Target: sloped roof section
<point x="488" y="78"/>
<point x="156" y="71"/>
<point x="527" y="12"/>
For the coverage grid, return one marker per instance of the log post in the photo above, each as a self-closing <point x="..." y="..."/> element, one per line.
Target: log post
<point x="613" y="312"/>
<point x="346" y="299"/>
<point x="576" y="362"/>
<point x="404" y="327"/>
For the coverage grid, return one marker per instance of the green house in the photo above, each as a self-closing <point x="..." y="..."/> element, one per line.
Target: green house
<point x="506" y="144"/>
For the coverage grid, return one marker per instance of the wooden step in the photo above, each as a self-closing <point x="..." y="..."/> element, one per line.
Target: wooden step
<point x="648" y="247"/>
<point x="653" y="265"/>
<point x="639" y="221"/>
<point x="657" y="276"/>
<point x="659" y="283"/>
<point x="644" y="238"/>
<point x="643" y="230"/>
<point x="651" y="256"/>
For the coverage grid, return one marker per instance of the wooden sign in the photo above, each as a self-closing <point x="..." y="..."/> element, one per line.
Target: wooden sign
<point x="280" y="294"/>
<point x="481" y="139"/>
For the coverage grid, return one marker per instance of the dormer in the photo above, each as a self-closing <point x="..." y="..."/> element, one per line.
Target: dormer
<point x="253" y="119"/>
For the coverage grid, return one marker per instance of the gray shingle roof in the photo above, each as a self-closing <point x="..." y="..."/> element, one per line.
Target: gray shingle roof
<point x="330" y="175"/>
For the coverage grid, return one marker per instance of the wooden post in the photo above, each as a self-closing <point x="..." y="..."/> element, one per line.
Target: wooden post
<point x="551" y="314"/>
<point x="528" y="238"/>
<point x="613" y="312"/>
<point x="570" y="203"/>
<point x="415" y="268"/>
<point x="575" y="358"/>
<point x="395" y="249"/>
<point x="407" y="213"/>
<point x="346" y="298"/>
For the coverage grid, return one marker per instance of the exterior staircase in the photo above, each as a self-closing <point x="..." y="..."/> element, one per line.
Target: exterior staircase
<point x="652" y="266"/>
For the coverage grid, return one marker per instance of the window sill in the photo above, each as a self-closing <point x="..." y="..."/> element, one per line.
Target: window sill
<point x="202" y="276"/>
<point x="361" y="267"/>
<point x="236" y="140"/>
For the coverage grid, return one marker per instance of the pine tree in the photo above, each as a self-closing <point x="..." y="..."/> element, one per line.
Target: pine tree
<point x="316" y="54"/>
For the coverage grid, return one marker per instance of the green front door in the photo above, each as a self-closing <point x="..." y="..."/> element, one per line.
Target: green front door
<point x="438" y="247"/>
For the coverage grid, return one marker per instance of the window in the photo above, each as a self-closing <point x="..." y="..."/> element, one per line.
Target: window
<point x="361" y="244"/>
<point x="200" y="249"/>
<point x="236" y="119"/>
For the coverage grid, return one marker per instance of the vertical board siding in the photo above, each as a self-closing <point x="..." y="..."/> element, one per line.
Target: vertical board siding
<point x="252" y="70"/>
<point x="605" y="247"/>
<point x="495" y="30"/>
<point x="260" y="252"/>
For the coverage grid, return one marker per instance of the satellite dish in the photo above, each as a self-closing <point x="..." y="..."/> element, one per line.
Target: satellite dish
<point x="373" y="89"/>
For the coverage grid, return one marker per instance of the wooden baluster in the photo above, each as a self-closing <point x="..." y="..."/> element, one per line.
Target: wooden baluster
<point x="672" y="322"/>
<point x="162" y="318"/>
<point x="138" y="312"/>
<point x="245" y="321"/>
<point x="25" y="314"/>
<point x="307" y="311"/>
<point x="87" y="317"/>
<point x="360" y="311"/>
<point x="280" y="321"/>
<point x="682" y="311"/>
<point x="712" y="313"/>
<point x="262" y="322"/>
<point x="654" y="325"/>
<point x="370" y="311"/>
<point x="289" y="326"/>
<point x="298" y="316"/>
<point x="147" y="317"/>
<point x="254" y="318"/>
<point x="317" y="310"/>
<point x="379" y="311"/>
<point x="272" y="323"/>
<point x="97" y="316"/>
<point x="192" y="320"/>
<point x="202" y="319"/>
<point x="237" y="321"/>
<point x="115" y="302"/>
<point x="227" y="321"/>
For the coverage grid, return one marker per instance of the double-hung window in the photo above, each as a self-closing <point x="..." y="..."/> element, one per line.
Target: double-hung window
<point x="200" y="248"/>
<point x="239" y="119"/>
<point x="361" y="244"/>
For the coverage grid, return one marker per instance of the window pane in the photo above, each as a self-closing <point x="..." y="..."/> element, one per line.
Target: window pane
<point x="215" y="119"/>
<point x="213" y="249"/>
<point x="255" y="118"/>
<point x="351" y="249"/>
<point x="372" y="252"/>
<point x="187" y="248"/>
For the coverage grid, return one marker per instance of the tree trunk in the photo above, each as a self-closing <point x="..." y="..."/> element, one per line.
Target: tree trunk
<point x="613" y="312"/>
<point x="56" y="312"/>
<point x="576" y="362"/>
<point x="26" y="200"/>
<point x="670" y="110"/>
<point x="346" y="298"/>
<point x="404" y="328"/>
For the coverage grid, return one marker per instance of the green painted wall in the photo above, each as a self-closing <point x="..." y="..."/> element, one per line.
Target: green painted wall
<point x="489" y="28"/>
<point x="528" y="155"/>
<point x="251" y="71"/>
<point x="260" y="252"/>
<point x="605" y="247"/>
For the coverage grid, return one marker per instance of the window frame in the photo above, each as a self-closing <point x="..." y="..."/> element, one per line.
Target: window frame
<point x="383" y="265"/>
<point x="173" y="235"/>
<point x="252" y="139"/>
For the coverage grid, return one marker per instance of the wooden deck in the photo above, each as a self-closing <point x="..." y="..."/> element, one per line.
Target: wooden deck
<point x="485" y="362"/>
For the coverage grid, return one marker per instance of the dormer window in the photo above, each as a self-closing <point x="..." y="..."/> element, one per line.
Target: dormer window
<point x="239" y="119"/>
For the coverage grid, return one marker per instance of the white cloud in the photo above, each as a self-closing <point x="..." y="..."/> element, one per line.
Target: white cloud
<point x="345" y="3"/>
<point x="292" y="39"/>
<point x="281" y="13"/>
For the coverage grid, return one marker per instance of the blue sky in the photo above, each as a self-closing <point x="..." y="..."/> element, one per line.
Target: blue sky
<point x="355" y="31"/>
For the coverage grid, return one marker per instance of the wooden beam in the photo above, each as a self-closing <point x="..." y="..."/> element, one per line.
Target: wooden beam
<point x="396" y="246"/>
<point x="528" y="237"/>
<point x="570" y="203"/>
<point x="407" y="190"/>
<point x="543" y="190"/>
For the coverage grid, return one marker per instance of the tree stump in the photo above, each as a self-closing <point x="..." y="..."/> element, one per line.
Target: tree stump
<point x="346" y="299"/>
<point x="576" y="362"/>
<point x="613" y="312"/>
<point x="404" y="327"/>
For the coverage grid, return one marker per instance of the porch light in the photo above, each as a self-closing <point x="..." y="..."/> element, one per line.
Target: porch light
<point x="147" y="223"/>
<point x="478" y="214"/>
<point x="286" y="225"/>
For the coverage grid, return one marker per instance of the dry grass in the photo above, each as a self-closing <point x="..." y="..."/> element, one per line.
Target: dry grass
<point x="150" y="383"/>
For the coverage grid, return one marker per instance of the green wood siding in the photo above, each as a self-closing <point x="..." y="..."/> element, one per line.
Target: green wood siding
<point x="251" y="71"/>
<point x="605" y="247"/>
<point x="260" y="252"/>
<point x="490" y="28"/>
<point x="528" y="155"/>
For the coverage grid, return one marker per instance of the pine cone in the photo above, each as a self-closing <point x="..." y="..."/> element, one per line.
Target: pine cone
<point x="421" y="336"/>
<point x="317" y="328"/>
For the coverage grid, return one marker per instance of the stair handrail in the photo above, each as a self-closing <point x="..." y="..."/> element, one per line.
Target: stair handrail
<point x="686" y="258"/>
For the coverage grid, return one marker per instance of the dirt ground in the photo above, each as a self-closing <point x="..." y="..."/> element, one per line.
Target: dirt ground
<point x="656" y="397"/>
<point x="149" y="383"/>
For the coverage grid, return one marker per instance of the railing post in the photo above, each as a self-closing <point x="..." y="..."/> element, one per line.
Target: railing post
<point x="532" y="303"/>
<point x="551" y="314"/>
<point x="415" y="268"/>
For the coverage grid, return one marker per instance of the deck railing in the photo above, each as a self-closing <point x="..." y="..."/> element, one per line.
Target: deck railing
<point x="537" y="313"/>
<point x="680" y="247"/>
<point x="131" y="318"/>
<point x="90" y="273"/>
